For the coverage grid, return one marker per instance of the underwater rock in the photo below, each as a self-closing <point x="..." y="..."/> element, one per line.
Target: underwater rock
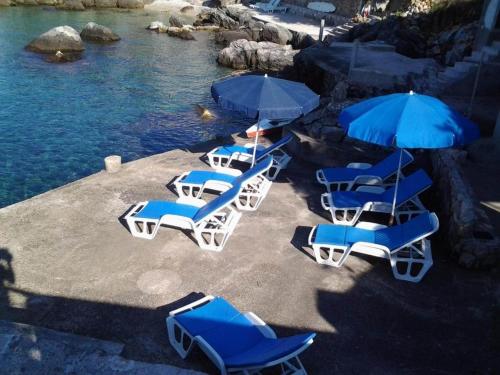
<point x="180" y="32"/>
<point x="131" y="4"/>
<point x="72" y="5"/>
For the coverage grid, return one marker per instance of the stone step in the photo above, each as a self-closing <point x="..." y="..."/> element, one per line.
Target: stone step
<point x="34" y="350"/>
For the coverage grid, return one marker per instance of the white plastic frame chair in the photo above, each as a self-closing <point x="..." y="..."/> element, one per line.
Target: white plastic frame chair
<point x="350" y="215"/>
<point x="184" y="343"/>
<point x="403" y="259"/>
<point x="211" y="232"/>
<point x="253" y="189"/>
<point x="270" y="7"/>
<point x="281" y="158"/>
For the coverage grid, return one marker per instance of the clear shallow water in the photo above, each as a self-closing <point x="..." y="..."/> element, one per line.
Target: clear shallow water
<point x="133" y="98"/>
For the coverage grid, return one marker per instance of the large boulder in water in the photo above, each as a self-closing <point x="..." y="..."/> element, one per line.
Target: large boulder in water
<point x="61" y="38"/>
<point x="98" y="33"/>
<point x="131" y="4"/>
<point x="180" y="32"/>
<point x="265" y="56"/>
<point x="275" y="34"/>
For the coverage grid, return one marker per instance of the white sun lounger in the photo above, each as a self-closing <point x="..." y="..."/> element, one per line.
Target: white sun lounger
<point x="337" y="179"/>
<point x="347" y="206"/>
<point x="255" y="185"/>
<point x="270" y="7"/>
<point x="406" y="245"/>
<point x="235" y="342"/>
<point x="223" y="156"/>
<point x="212" y="223"/>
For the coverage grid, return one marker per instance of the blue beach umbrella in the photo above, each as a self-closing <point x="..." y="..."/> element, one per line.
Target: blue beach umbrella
<point x="407" y="120"/>
<point x="262" y="97"/>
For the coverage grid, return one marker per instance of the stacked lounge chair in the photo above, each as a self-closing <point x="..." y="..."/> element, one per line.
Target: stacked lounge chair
<point x="255" y="185"/>
<point x="405" y="245"/>
<point x="270" y="7"/>
<point x="337" y="179"/>
<point x="223" y="156"/>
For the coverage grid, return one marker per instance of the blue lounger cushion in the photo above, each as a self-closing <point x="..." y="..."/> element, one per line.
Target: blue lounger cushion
<point x="383" y="169"/>
<point x="408" y="188"/>
<point x="391" y="237"/>
<point x="200" y="177"/>
<point x="234" y="337"/>
<point x="154" y="210"/>
<point x="229" y="150"/>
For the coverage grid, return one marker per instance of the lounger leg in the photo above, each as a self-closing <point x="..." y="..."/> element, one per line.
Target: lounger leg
<point x="183" y="342"/>
<point x="213" y="233"/>
<point x="293" y="366"/>
<point x="329" y="255"/>
<point x="412" y="262"/>
<point x="142" y="228"/>
<point x="218" y="161"/>
<point x="345" y="216"/>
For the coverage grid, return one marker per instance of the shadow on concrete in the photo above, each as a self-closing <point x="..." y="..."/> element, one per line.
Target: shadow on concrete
<point x="449" y="323"/>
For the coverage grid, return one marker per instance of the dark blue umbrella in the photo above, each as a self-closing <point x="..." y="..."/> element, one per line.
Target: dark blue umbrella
<point x="407" y="120"/>
<point x="263" y="97"/>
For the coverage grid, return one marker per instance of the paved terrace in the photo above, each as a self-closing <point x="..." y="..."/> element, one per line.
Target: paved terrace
<point x="68" y="263"/>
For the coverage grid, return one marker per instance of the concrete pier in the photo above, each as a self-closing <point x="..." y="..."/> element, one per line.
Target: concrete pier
<point x="68" y="263"/>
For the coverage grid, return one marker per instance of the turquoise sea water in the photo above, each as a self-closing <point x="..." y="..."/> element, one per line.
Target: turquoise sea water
<point x="133" y="98"/>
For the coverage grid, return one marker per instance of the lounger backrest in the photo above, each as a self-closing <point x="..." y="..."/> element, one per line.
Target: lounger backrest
<point x="261" y="167"/>
<point x="389" y="165"/>
<point x="223" y="200"/>
<point x="224" y="327"/>
<point x="283" y="141"/>
<point x="409" y="187"/>
<point x="399" y="235"/>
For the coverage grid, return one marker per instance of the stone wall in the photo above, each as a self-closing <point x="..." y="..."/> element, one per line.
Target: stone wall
<point x="464" y="224"/>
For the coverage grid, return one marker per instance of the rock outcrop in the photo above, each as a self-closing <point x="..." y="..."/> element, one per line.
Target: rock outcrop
<point x="225" y="37"/>
<point x="98" y="33"/>
<point x="72" y="5"/>
<point x="106" y="3"/>
<point x="180" y="32"/>
<point x="275" y="34"/>
<point x="175" y="21"/>
<point x="216" y="17"/>
<point x="264" y="56"/>
<point x="61" y="38"/>
<point x="131" y="4"/>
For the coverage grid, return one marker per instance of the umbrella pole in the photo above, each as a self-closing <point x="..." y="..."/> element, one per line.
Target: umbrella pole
<point x="256" y="141"/>
<point x="393" y="210"/>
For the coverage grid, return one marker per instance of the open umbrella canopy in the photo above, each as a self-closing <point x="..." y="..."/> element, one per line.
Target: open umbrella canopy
<point x="407" y="121"/>
<point x="265" y="97"/>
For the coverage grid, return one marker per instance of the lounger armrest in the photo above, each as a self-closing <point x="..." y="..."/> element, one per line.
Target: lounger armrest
<point x="229" y="171"/>
<point x="326" y="201"/>
<point x="192" y="305"/>
<point x="261" y="325"/>
<point x="211" y="353"/>
<point x="359" y="165"/>
<point x="381" y="207"/>
<point x="371" y="189"/>
<point x="368" y="180"/>
<point x="250" y="145"/>
<point x="369" y="226"/>
<point x="191" y="201"/>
